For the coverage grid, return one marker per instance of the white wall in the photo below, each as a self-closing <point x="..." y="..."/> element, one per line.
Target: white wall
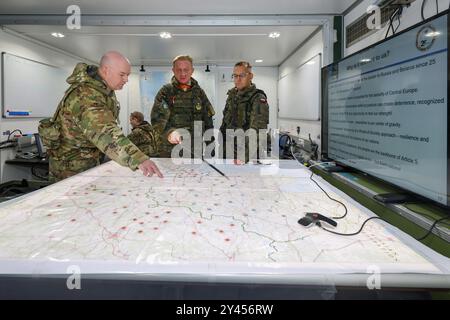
<point x="133" y="92"/>
<point x="134" y="95"/>
<point x="124" y="98"/>
<point x="30" y="50"/>
<point x="27" y="49"/>
<point x="410" y="17"/>
<point x="310" y="49"/>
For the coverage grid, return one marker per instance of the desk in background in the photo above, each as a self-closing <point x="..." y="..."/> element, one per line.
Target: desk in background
<point x="34" y="168"/>
<point x="33" y="162"/>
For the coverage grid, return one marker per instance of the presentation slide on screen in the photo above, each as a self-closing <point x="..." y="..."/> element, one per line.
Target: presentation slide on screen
<point x="387" y="110"/>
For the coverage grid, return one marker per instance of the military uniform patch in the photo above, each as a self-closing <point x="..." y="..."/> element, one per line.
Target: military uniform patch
<point x="262" y="100"/>
<point x="198" y="107"/>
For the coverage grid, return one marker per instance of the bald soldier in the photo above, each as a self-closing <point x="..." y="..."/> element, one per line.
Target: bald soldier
<point x="246" y="108"/>
<point x="178" y="104"/>
<point x="143" y="135"/>
<point x="85" y="123"/>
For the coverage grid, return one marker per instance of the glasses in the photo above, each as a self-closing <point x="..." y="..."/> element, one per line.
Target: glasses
<point x="242" y="75"/>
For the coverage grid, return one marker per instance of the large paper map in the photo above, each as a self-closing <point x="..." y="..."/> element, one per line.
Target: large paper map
<point x="194" y="217"/>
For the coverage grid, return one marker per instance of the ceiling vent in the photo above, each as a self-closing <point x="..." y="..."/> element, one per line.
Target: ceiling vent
<point x="357" y="30"/>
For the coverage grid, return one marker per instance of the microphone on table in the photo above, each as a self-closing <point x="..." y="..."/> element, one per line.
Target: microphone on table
<point x="315" y="218"/>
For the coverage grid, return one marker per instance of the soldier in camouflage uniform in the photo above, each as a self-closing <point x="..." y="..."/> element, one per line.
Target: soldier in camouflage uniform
<point x="246" y="108"/>
<point x="178" y="104"/>
<point x="143" y="135"/>
<point x="87" y="121"/>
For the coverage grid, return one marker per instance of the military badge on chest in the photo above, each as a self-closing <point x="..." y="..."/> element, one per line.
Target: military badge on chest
<point x="198" y="106"/>
<point x="184" y="87"/>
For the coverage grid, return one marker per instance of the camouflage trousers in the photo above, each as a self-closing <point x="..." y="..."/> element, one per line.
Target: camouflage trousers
<point x="62" y="169"/>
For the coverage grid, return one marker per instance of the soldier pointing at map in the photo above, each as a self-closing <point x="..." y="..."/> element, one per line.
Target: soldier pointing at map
<point x="85" y="122"/>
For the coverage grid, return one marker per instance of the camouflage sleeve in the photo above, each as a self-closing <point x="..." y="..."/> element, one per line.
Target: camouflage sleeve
<point x="226" y="110"/>
<point x="207" y="117"/>
<point x="100" y="127"/>
<point x="259" y="119"/>
<point x="160" y="112"/>
<point x="147" y="142"/>
<point x="155" y="142"/>
<point x="259" y="115"/>
<point x="135" y="137"/>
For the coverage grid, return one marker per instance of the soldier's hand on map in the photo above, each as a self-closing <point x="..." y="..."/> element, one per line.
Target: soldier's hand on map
<point x="238" y="162"/>
<point x="148" y="168"/>
<point x="174" y="137"/>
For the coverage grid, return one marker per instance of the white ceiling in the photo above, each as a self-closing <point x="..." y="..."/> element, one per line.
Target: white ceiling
<point x="217" y="45"/>
<point x="142" y="45"/>
<point x="177" y="6"/>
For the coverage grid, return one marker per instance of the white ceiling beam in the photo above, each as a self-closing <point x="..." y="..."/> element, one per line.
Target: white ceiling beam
<point x="163" y="20"/>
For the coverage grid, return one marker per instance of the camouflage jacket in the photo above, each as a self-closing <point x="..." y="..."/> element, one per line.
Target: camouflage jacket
<point x="245" y="109"/>
<point x="177" y="108"/>
<point x="89" y="125"/>
<point x="145" y="138"/>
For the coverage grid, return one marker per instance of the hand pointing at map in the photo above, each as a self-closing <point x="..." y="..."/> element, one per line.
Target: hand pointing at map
<point x="148" y="168"/>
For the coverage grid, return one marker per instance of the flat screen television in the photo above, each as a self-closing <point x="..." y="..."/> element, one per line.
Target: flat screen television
<point x="385" y="110"/>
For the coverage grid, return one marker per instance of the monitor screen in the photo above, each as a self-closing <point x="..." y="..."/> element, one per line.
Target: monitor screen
<point x="385" y="110"/>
